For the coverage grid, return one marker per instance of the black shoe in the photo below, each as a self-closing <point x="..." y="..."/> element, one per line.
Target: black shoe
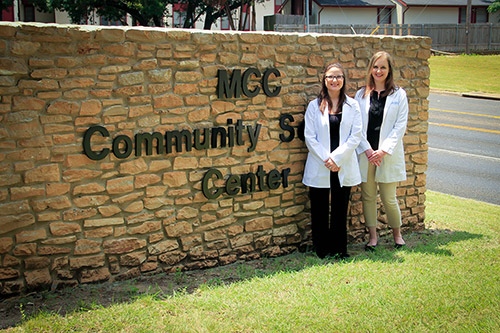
<point x="321" y="255"/>
<point x="370" y="248"/>
<point x="339" y="255"/>
<point x="344" y="256"/>
<point x="399" y="246"/>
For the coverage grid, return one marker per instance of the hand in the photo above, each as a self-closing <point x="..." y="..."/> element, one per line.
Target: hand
<point x="376" y="156"/>
<point x="330" y="164"/>
<point x="368" y="154"/>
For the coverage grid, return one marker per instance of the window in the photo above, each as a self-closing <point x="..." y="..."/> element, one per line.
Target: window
<point x="106" y="21"/>
<point x="179" y="15"/>
<point x="224" y="24"/>
<point x="29" y="13"/>
<point x="7" y="14"/>
<point x="481" y="15"/>
<point x="477" y="15"/>
<point x="384" y="15"/>
<point x="277" y="5"/>
<point x="246" y="17"/>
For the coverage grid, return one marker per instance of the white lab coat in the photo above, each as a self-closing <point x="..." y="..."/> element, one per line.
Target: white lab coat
<point x="394" y="121"/>
<point x="317" y="137"/>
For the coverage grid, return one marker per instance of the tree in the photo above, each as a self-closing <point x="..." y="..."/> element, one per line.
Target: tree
<point x="494" y="7"/>
<point x="212" y="10"/>
<point x="4" y="4"/>
<point x="149" y="12"/>
<point x="143" y="12"/>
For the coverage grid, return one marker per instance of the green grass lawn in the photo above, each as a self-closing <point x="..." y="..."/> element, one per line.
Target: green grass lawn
<point x="466" y="73"/>
<point x="448" y="280"/>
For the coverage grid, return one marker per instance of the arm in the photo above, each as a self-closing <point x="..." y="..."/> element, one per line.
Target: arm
<point x="396" y="134"/>
<point x="399" y="128"/>
<point x="343" y="152"/>
<point x="310" y="132"/>
<point x="364" y="145"/>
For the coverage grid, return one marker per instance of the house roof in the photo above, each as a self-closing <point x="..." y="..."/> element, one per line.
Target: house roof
<point x="355" y="3"/>
<point x="453" y="3"/>
<point x="389" y="3"/>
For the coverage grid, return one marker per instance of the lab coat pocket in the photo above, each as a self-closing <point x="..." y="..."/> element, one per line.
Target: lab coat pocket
<point x="392" y="113"/>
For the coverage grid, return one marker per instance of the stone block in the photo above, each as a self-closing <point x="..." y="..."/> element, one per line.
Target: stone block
<point x="162" y="247"/>
<point x="133" y="259"/>
<point x="172" y="258"/>
<point x="87" y="246"/>
<point x="13" y="222"/>
<point x="38" y="279"/>
<point x="36" y="263"/>
<point x="179" y="229"/>
<point x="120" y="185"/>
<point x="124" y="245"/>
<point x="63" y="229"/>
<point x="94" y="275"/>
<point x="30" y="236"/>
<point x="8" y="273"/>
<point x="259" y="223"/>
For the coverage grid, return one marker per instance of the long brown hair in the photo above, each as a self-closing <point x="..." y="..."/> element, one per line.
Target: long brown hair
<point x="390" y="86"/>
<point x="324" y="98"/>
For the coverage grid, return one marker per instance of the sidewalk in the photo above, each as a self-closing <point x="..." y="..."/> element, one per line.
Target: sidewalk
<point x="469" y="94"/>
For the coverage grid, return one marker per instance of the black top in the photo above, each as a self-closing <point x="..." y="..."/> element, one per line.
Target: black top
<point x="335" y="130"/>
<point x="375" y="117"/>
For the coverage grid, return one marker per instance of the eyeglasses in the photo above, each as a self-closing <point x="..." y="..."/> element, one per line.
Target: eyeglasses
<point x="336" y="77"/>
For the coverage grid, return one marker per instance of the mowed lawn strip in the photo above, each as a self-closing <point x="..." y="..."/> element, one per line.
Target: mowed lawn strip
<point x="466" y="73"/>
<point x="448" y="280"/>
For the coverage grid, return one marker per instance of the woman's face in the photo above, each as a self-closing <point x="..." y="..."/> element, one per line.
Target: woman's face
<point x="334" y="80"/>
<point x="380" y="70"/>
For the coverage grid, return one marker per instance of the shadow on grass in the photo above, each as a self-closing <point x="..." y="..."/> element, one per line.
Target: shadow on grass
<point x="162" y="285"/>
<point x="429" y="241"/>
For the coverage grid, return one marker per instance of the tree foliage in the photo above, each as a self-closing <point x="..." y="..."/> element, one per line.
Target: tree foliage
<point x="143" y="12"/>
<point x="4" y="4"/>
<point x="149" y="12"/>
<point x="494" y="7"/>
<point x="212" y="10"/>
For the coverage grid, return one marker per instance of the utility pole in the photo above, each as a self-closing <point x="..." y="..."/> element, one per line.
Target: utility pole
<point x="307" y="15"/>
<point x="467" y="27"/>
<point x="16" y="11"/>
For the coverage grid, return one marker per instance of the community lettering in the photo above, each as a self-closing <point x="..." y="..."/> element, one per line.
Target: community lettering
<point x="122" y="146"/>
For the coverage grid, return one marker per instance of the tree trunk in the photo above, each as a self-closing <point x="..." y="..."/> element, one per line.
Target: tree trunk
<point x="209" y="19"/>
<point x="189" y="22"/>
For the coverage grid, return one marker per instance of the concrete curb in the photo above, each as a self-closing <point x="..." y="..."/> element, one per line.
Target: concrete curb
<point x="482" y="95"/>
<point x="469" y="94"/>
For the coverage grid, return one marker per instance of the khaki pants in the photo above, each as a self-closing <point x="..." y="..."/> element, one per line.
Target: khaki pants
<point x="388" y="196"/>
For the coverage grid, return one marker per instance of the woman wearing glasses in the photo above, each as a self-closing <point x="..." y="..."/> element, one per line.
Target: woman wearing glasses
<point x="332" y="133"/>
<point x="384" y="110"/>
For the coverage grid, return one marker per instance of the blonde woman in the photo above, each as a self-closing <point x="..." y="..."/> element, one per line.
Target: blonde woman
<point x="384" y="111"/>
<point x="332" y="133"/>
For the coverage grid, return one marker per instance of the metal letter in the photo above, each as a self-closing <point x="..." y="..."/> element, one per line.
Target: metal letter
<point x="223" y="86"/>
<point x="116" y="146"/>
<point x="204" y="185"/>
<point x="286" y="127"/>
<point x="244" y="82"/>
<point x="265" y="83"/>
<point x="87" y="149"/>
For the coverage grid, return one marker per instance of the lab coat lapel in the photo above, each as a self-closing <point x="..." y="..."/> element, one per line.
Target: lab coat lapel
<point x="388" y="102"/>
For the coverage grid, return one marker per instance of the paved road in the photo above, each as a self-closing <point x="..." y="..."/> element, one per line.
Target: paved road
<point x="464" y="147"/>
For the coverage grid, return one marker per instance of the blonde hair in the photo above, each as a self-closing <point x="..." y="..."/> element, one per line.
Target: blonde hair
<point x="390" y="86"/>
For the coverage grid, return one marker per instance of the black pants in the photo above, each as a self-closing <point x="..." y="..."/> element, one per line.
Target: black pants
<point x="329" y="234"/>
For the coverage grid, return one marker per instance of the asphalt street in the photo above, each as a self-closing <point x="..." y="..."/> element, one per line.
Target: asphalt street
<point x="464" y="147"/>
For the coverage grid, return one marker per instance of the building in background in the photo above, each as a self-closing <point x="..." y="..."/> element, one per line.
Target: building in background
<point x="322" y="12"/>
<point x="24" y="11"/>
<point x="398" y="12"/>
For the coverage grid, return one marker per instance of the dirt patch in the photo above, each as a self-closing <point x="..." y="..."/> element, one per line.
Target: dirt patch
<point x="14" y="310"/>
